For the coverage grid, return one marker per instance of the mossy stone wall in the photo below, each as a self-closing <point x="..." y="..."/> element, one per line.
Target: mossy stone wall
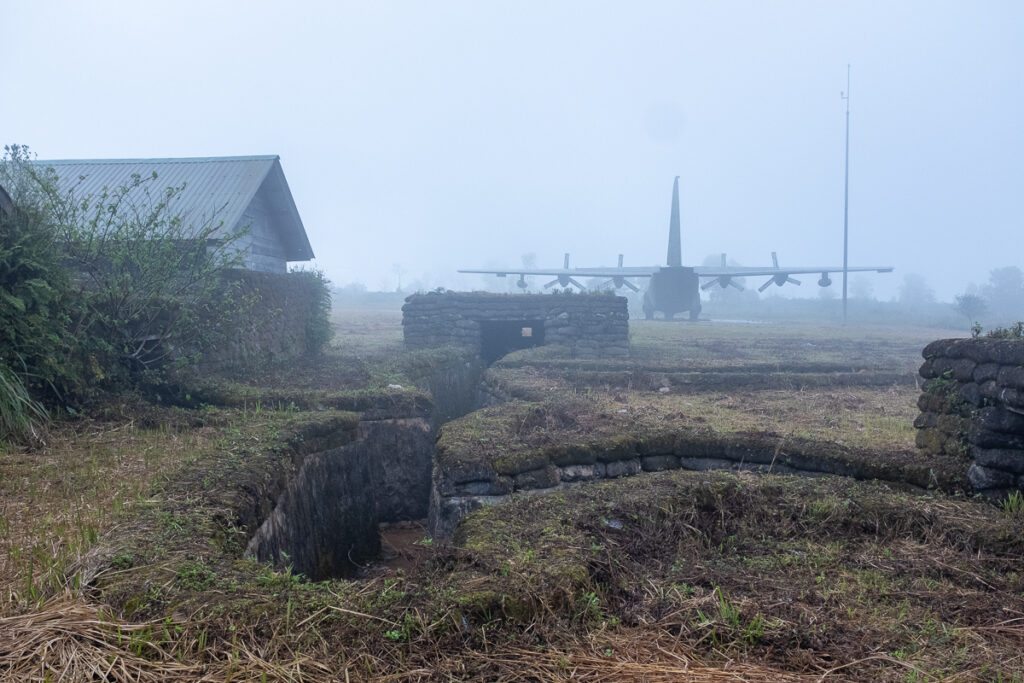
<point x="973" y="405"/>
<point x="590" y="325"/>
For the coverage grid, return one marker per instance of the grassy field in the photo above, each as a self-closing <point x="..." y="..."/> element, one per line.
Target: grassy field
<point x="121" y="536"/>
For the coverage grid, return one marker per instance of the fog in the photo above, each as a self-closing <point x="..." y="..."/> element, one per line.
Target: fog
<point x="421" y="137"/>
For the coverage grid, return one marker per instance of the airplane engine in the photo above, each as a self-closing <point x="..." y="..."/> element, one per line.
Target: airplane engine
<point x="724" y="281"/>
<point x="564" y="280"/>
<point x="781" y="279"/>
<point x="824" y="281"/>
<point x="521" y="282"/>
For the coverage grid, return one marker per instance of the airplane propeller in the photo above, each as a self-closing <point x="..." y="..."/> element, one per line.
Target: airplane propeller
<point x="565" y="280"/>
<point x="620" y="282"/>
<point x="780" y="279"/>
<point x="722" y="280"/>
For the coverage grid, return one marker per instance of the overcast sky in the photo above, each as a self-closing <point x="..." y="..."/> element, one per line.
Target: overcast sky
<point x="438" y="135"/>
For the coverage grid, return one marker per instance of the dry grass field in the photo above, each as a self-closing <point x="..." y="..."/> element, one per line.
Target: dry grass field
<point x="121" y="541"/>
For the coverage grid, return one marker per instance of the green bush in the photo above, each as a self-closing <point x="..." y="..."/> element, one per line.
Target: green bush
<point x="318" y="327"/>
<point x="35" y="294"/>
<point x="102" y="291"/>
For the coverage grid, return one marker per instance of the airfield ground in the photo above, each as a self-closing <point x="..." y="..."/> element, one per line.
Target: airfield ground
<point x="121" y="556"/>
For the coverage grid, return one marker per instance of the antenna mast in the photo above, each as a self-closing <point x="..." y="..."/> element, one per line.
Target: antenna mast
<point x="846" y="191"/>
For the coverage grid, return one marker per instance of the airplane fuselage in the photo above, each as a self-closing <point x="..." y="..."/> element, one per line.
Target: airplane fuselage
<point x="673" y="289"/>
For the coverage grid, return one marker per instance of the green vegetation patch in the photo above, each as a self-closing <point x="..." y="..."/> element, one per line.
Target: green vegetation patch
<point x="858" y="432"/>
<point x="762" y="567"/>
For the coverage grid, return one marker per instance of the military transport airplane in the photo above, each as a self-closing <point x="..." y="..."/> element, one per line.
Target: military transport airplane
<point x="675" y="288"/>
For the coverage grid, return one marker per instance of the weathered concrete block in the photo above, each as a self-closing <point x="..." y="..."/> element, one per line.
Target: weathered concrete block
<point x="543" y="478"/>
<point x="702" y="464"/>
<point x="983" y="438"/>
<point x="622" y="468"/>
<point x="998" y="419"/>
<point x="971" y="393"/>
<point x="573" y="473"/>
<point x="984" y="372"/>
<point x="963" y="369"/>
<point x="1006" y="352"/>
<point x="989" y="391"/>
<point x="1011" y="376"/>
<point x="949" y="425"/>
<point x="657" y="463"/>
<point x="1012" y="398"/>
<point x="925" y="420"/>
<point x="930" y="440"/>
<point x="1005" y="459"/>
<point x="937" y="348"/>
<point x="931" y="403"/>
<point x="987" y="478"/>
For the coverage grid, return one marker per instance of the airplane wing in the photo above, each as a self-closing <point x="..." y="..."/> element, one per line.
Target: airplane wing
<point x="565" y="275"/>
<point x="753" y="271"/>
<point x="611" y="271"/>
<point x="723" y="275"/>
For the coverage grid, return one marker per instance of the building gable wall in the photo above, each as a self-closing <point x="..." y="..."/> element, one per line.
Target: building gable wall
<point x="264" y="250"/>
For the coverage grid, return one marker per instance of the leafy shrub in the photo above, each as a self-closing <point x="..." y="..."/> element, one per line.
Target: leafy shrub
<point x="1015" y="331"/>
<point x="145" y="275"/>
<point x="318" y="327"/>
<point x="34" y="298"/>
<point x="102" y="290"/>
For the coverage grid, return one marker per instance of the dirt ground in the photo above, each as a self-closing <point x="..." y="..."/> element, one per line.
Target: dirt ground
<point x="121" y="554"/>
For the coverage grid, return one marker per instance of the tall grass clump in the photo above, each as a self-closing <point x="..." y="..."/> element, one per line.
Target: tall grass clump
<point x="19" y="413"/>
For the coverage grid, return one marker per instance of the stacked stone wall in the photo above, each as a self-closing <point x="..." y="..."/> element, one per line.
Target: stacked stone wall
<point x="590" y="325"/>
<point x="973" y="405"/>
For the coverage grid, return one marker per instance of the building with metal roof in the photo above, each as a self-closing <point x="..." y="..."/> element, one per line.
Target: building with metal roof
<point x="239" y="192"/>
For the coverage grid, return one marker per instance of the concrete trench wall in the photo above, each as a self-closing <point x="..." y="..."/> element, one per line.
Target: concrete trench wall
<point x="459" y="489"/>
<point x="590" y="325"/>
<point x="973" y="405"/>
<point x="325" y="521"/>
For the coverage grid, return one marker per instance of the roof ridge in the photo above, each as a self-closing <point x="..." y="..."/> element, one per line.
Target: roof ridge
<point x="161" y="160"/>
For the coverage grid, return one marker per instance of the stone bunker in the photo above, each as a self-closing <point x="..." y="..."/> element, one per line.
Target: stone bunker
<point x="590" y="325"/>
<point x="973" y="405"/>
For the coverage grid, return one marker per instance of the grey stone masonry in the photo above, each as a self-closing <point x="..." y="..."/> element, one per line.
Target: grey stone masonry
<point x="973" y="405"/>
<point x="590" y="325"/>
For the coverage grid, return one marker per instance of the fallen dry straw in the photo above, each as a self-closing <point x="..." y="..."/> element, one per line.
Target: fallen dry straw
<point x="69" y="640"/>
<point x="649" y="667"/>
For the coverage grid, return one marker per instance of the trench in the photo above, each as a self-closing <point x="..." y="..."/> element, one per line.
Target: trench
<point x="367" y="502"/>
<point x="350" y="506"/>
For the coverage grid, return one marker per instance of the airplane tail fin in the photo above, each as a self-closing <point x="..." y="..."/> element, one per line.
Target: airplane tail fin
<point x="675" y="252"/>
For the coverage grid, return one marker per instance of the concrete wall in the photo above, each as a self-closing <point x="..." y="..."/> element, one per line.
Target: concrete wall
<point x="590" y="325"/>
<point x="325" y="522"/>
<point x="973" y="405"/>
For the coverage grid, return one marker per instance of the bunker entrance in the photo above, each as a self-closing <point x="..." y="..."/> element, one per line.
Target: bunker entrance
<point x="499" y="337"/>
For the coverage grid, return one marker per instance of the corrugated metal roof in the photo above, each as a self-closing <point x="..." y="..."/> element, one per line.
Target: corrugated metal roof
<point x="214" y="186"/>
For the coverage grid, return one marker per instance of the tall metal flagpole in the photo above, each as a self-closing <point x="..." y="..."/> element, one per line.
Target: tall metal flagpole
<point x="846" y="191"/>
